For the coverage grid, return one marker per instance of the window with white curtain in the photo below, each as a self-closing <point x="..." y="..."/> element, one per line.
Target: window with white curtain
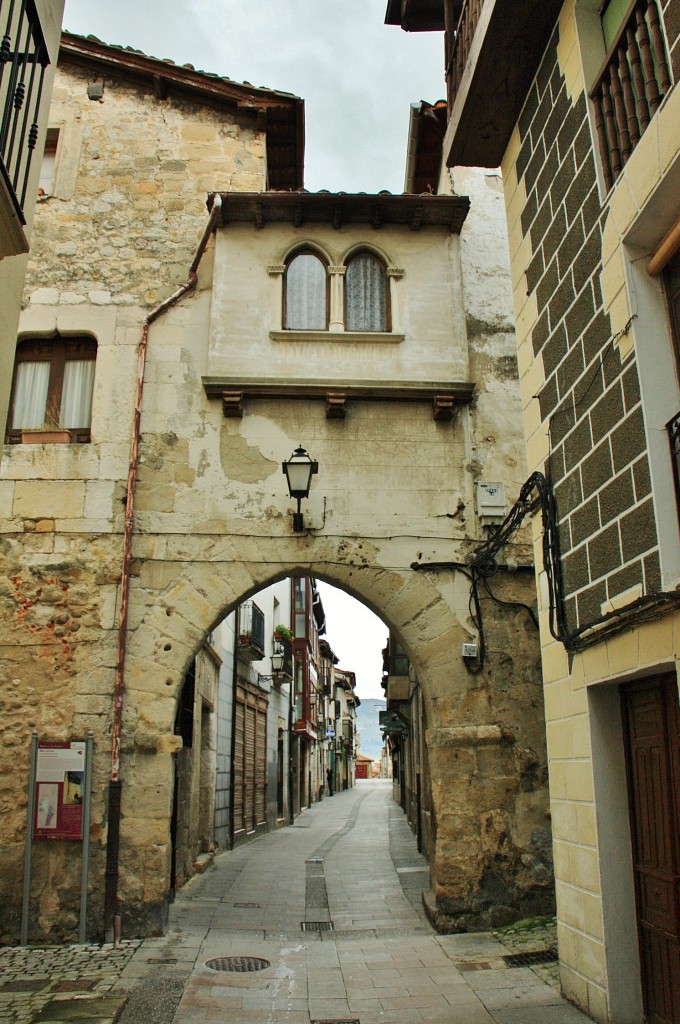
<point x="52" y="387"/>
<point x="366" y="305"/>
<point x="306" y="293"/>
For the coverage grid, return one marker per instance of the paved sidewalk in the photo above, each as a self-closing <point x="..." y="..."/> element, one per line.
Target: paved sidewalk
<point x="330" y="910"/>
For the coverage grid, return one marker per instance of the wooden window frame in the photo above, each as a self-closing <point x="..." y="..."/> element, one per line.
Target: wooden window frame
<point x="56" y="351"/>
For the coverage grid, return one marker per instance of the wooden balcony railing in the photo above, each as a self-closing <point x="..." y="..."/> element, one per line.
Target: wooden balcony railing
<point x="630" y="87"/>
<point x="23" y="59"/>
<point x="459" y="36"/>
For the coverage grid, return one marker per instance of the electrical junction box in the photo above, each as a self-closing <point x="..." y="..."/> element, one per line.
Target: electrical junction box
<point x="490" y="501"/>
<point x="469" y="650"/>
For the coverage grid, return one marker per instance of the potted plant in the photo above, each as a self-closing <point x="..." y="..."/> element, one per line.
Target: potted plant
<point x="282" y="632"/>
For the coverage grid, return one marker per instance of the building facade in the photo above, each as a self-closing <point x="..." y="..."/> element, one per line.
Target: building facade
<point x="588" y="139"/>
<point x="31" y="38"/>
<point x="192" y="351"/>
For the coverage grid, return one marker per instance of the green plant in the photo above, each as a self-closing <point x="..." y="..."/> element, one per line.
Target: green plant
<point x="283" y="632"/>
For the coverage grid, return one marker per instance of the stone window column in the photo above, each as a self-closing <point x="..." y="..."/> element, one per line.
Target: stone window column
<point x="336" y="320"/>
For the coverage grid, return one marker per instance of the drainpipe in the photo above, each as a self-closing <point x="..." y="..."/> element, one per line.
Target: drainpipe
<point x="232" y="776"/>
<point x="111" y="925"/>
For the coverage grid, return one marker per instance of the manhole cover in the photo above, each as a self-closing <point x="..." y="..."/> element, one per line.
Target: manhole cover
<point x="316" y="926"/>
<point x="539" y="956"/>
<point x="242" y="964"/>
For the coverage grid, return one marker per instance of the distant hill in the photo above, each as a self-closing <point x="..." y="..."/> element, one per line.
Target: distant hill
<point x="370" y="737"/>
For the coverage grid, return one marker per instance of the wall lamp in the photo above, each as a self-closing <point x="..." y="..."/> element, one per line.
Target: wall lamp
<point x="299" y="470"/>
<point x="277" y="659"/>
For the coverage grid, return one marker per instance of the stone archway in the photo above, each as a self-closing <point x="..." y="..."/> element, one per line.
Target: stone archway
<point x="471" y="748"/>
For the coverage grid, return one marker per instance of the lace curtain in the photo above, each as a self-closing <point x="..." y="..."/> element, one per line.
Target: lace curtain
<point x="30" y="395"/>
<point x="306" y="294"/>
<point x="366" y="295"/>
<point x="76" y="395"/>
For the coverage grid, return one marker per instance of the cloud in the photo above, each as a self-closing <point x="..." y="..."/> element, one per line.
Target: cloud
<point x="356" y="75"/>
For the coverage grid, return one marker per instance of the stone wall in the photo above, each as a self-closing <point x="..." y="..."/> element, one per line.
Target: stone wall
<point x="212" y="524"/>
<point x="598" y="383"/>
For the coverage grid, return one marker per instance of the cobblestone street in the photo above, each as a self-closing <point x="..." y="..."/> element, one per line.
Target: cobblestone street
<point x="321" y="921"/>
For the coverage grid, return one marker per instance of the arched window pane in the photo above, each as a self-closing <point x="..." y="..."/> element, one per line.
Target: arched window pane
<point x="366" y="294"/>
<point x="306" y="294"/>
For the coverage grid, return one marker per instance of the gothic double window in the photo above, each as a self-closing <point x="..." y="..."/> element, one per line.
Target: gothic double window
<point x="307" y="293"/>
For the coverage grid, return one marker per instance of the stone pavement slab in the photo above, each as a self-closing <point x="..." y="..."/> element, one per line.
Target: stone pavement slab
<point x="349" y="870"/>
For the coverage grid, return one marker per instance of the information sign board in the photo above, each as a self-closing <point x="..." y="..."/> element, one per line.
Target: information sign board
<point x="59" y="785"/>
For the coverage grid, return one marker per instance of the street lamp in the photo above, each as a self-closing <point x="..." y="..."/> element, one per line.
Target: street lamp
<point x="299" y="470"/>
<point x="277" y="659"/>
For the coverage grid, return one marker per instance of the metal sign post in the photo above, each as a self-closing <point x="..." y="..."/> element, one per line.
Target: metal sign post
<point x="29" y="838"/>
<point x="59" y="807"/>
<point x="87" y="810"/>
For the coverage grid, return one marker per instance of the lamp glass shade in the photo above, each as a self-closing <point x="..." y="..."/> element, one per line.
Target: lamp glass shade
<point x="277" y="661"/>
<point x="299" y="471"/>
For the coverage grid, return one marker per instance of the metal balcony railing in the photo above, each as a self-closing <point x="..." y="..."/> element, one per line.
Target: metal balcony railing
<point x="630" y="87"/>
<point x="250" y="638"/>
<point x="459" y="36"/>
<point x="23" y="60"/>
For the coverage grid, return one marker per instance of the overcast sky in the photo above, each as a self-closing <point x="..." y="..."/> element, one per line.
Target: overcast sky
<point x="356" y="75"/>
<point x="357" y="638"/>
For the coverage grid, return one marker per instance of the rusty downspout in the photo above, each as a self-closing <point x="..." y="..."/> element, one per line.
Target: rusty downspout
<point x="115" y="784"/>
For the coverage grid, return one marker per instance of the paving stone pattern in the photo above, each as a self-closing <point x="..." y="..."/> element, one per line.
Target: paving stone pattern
<point x="62" y="982"/>
<point x="381" y="962"/>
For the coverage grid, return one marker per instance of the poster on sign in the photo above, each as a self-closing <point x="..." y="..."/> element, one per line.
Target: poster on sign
<point x="59" y="784"/>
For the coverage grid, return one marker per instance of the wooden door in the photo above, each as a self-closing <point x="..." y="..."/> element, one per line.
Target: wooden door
<point x="261" y="767"/>
<point x="238" y="767"/>
<point x="652" y="724"/>
<point x="250" y="769"/>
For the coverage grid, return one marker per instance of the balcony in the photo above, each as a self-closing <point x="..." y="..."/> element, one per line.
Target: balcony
<point x="493" y="49"/>
<point x="250" y="634"/>
<point x="630" y="87"/>
<point x="398" y="689"/>
<point x="23" y="60"/>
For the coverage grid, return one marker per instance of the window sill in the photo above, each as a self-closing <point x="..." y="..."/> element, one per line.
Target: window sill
<point x="344" y="337"/>
<point x="48" y="437"/>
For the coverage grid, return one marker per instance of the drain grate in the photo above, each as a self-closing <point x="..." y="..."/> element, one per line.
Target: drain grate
<point x="316" y="926"/>
<point x="314" y="860"/>
<point x="161" y="960"/>
<point x="539" y="956"/>
<point x="247" y="906"/>
<point x="241" y="964"/>
<point x="344" y="1020"/>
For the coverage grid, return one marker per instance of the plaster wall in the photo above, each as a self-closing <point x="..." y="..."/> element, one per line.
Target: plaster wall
<point x="427" y="340"/>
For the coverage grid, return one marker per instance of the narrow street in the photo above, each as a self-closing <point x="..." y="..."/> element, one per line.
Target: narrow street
<point x="332" y="905"/>
<point x="349" y="863"/>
